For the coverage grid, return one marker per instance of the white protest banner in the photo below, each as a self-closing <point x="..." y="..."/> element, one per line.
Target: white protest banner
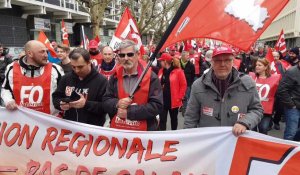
<point x="35" y="143"/>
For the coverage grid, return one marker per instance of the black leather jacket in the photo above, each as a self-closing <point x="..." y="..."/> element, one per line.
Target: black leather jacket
<point x="289" y="88"/>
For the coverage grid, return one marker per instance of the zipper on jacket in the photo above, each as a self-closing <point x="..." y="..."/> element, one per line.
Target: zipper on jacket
<point x="76" y="115"/>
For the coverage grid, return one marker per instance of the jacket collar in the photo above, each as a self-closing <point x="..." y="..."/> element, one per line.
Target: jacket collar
<point x="207" y="80"/>
<point x="23" y="63"/>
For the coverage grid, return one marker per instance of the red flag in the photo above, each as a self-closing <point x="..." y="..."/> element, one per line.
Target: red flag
<point x="97" y="38"/>
<point x="43" y="38"/>
<point x="236" y="22"/>
<point x="127" y="29"/>
<point x="187" y="45"/>
<point x="280" y="44"/>
<point x="269" y="56"/>
<point x="65" y="36"/>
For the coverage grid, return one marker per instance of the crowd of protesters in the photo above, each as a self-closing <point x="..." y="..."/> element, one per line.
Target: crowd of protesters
<point x="210" y="86"/>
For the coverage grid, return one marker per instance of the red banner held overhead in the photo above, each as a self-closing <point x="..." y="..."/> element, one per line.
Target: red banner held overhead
<point x="44" y="39"/>
<point x="236" y="22"/>
<point x="65" y="36"/>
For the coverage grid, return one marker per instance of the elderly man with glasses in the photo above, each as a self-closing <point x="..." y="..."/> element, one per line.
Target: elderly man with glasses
<point x="138" y="113"/>
<point x="223" y="97"/>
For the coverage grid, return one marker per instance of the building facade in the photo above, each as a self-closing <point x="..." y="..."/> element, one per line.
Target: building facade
<point x="112" y="17"/>
<point x="22" y="20"/>
<point x="289" y="21"/>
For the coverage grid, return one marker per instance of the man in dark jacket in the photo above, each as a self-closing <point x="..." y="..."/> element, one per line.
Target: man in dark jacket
<point x="90" y="87"/>
<point x="138" y="113"/>
<point x="289" y="94"/>
<point x="224" y="97"/>
<point x="189" y="72"/>
<point x="5" y="60"/>
<point x="293" y="56"/>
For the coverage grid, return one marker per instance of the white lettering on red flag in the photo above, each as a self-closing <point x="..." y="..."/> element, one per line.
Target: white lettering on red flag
<point x="280" y="44"/>
<point x="65" y="36"/>
<point x="127" y="29"/>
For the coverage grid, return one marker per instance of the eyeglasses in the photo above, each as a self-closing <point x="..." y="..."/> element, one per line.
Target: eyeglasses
<point x="226" y="61"/>
<point x="122" y="55"/>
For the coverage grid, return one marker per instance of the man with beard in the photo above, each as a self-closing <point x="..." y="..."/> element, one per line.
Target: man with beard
<point x="95" y="54"/>
<point x="293" y="56"/>
<point x="139" y="112"/>
<point x="31" y="81"/>
<point x="108" y="64"/>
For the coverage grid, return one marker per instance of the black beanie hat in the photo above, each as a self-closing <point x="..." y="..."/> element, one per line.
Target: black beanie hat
<point x="295" y="50"/>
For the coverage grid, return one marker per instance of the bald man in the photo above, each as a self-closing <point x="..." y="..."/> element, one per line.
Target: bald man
<point x="108" y="65"/>
<point x="30" y="81"/>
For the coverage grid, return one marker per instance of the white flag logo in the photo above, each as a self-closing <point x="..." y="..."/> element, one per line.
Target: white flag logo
<point x="247" y="10"/>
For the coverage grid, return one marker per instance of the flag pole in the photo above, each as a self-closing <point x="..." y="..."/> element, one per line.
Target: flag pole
<point x="83" y="37"/>
<point x="175" y="20"/>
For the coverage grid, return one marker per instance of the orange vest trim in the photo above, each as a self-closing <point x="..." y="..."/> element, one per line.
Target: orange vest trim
<point x="33" y="93"/>
<point x="140" y="97"/>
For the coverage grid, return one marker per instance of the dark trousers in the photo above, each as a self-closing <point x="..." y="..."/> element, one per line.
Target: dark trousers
<point x="163" y="119"/>
<point x="279" y="110"/>
<point x="297" y="136"/>
<point x="264" y="124"/>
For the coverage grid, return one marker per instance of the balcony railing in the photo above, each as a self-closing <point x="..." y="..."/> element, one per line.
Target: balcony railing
<point x="66" y="4"/>
<point x="69" y="5"/>
<point x="82" y="9"/>
<point x="53" y="2"/>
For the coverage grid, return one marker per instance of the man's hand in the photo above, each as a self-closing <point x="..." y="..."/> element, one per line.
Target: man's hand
<point x="64" y="106"/>
<point x="79" y="103"/>
<point x="124" y="103"/>
<point x="12" y="105"/>
<point x="238" y="129"/>
<point x="122" y="113"/>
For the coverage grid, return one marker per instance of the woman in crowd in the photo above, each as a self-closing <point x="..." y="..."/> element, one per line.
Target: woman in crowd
<point x="266" y="84"/>
<point x="174" y="86"/>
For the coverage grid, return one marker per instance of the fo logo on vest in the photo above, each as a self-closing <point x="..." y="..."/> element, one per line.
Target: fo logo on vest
<point x="263" y="91"/>
<point x="31" y="96"/>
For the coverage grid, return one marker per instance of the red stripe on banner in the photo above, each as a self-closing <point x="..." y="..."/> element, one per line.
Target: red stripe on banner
<point x="8" y="169"/>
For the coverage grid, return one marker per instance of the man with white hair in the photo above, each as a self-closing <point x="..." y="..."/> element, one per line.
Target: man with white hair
<point x="223" y="97"/>
<point x="139" y="112"/>
<point x="207" y="62"/>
